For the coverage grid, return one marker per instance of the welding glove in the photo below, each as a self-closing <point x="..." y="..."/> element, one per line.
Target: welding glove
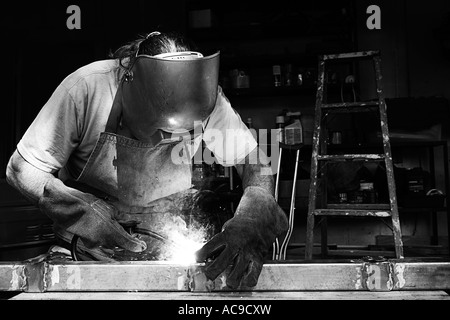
<point x="245" y="239"/>
<point x="95" y="221"/>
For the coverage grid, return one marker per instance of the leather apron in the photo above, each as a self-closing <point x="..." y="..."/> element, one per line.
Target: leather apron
<point x="140" y="179"/>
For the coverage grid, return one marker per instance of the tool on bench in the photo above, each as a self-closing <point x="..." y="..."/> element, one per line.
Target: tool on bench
<point x="279" y="252"/>
<point x="131" y="230"/>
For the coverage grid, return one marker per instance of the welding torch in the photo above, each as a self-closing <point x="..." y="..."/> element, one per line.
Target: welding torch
<point x="131" y="230"/>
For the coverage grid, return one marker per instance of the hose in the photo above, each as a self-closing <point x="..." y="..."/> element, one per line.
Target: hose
<point x="147" y="232"/>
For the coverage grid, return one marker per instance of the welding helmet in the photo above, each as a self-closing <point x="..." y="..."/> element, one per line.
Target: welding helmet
<point x="169" y="92"/>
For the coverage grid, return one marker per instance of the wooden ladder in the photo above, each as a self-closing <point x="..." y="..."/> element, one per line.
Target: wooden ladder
<point x="320" y="158"/>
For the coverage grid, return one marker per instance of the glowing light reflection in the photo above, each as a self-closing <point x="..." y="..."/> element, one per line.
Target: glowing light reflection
<point x="172" y="121"/>
<point x="186" y="244"/>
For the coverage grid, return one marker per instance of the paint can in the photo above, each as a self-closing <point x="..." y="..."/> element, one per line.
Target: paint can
<point x="336" y="137"/>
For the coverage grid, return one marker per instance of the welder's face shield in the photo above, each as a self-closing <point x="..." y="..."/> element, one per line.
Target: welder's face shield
<point x="170" y="92"/>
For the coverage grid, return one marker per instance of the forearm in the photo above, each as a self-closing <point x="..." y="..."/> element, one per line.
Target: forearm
<point x="26" y="178"/>
<point x="255" y="174"/>
<point x="79" y="213"/>
<point x="248" y="236"/>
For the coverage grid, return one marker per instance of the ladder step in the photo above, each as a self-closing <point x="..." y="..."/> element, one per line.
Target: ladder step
<point x="359" y="206"/>
<point x="342" y="157"/>
<point x="351" y="55"/>
<point x="352" y="213"/>
<point x="351" y="105"/>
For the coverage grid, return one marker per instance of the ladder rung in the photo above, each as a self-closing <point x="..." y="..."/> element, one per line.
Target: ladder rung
<point x="360" y="206"/>
<point x="352" y="213"/>
<point x="349" y="105"/>
<point x="342" y="157"/>
<point x="351" y="55"/>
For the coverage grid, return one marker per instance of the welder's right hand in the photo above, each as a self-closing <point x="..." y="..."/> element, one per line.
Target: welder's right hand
<point x="245" y="239"/>
<point x="92" y="219"/>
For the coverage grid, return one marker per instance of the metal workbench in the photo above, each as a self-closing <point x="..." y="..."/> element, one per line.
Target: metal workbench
<point x="59" y="279"/>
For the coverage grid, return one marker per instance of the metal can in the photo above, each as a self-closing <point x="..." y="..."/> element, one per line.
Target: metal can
<point x="336" y="137"/>
<point x="343" y="197"/>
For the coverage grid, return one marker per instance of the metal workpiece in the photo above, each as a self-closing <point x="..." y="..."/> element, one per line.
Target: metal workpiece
<point x="12" y="277"/>
<point x="130" y="276"/>
<point x="93" y="276"/>
<point x="134" y="276"/>
<point x="198" y="282"/>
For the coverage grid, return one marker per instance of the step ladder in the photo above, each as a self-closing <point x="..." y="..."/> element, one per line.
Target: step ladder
<point x="320" y="158"/>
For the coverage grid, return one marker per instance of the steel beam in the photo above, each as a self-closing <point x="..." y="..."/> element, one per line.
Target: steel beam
<point x="134" y="276"/>
<point x="12" y="277"/>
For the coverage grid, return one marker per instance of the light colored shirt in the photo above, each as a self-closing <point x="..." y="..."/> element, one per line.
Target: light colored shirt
<point x="64" y="133"/>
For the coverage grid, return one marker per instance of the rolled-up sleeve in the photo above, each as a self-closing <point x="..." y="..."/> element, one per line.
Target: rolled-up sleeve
<point x="226" y="136"/>
<point x="54" y="134"/>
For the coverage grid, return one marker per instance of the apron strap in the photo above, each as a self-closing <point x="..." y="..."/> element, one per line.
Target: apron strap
<point x="115" y="116"/>
<point x="114" y="123"/>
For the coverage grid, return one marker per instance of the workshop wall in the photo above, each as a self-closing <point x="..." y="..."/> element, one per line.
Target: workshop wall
<point x="413" y="39"/>
<point x="428" y="34"/>
<point x="42" y="48"/>
<point x="40" y="51"/>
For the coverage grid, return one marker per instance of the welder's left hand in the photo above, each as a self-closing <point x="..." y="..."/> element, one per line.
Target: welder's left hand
<point x="245" y="239"/>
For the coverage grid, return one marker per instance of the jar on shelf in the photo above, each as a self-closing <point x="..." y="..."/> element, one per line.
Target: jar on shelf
<point x="280" y="129"/>
<point x="276" y="71"/>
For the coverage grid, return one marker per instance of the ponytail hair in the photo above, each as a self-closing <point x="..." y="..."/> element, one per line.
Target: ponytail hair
<point x="151" y="44"/>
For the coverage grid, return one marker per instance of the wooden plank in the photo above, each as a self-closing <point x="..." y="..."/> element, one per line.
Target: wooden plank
<point x="359" y="206"/>
<point x="320" y="96"/>
<point x="351" y="55"/>
<point x="352" y="213"/>
<point x="310" y="295"/>
<point x="396" y="228"/>
<point x="351" y="110"/>
<point x="360" y="253"/>
<point x="351" y="105"/>
<point x="342" y="157"/>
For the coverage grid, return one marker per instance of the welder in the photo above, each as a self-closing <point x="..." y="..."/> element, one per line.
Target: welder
<point x="112" y="148"/>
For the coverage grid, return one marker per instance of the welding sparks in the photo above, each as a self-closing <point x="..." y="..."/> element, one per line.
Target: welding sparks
<point x="172" y="121"/>
<point x="184" y="250"/>
<point x="185" y="242"/>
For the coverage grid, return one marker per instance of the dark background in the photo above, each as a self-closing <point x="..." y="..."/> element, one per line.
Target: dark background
<point x="38" y="50"/>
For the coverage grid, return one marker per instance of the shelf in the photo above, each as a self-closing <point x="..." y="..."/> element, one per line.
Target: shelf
<point x="24" y="244"/>
<point x="381" y="206"/>
<point x="270" y="91"/>
<point x="251" y="61"/>
<point x="395" y="143"/>
<point x="418" y="209"/>
<point x="265" y="91"/>
<point x="352" y="212"/>
<point x="359" y="206"/>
